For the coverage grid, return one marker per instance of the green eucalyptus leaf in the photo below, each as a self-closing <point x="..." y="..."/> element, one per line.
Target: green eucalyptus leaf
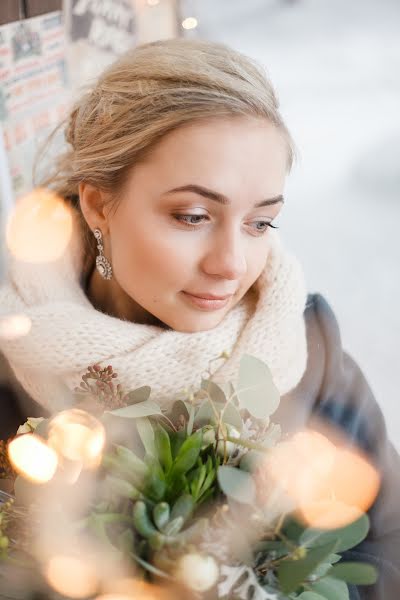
<point x="190" y="423"/>
<point x="146" y="433"/>
<point x="325" y="566"/>
<point x="214" y="390"/>
<point x="237" y="484"/>
<point x="292" y="573"/>
<point x="206" y="414"/>
<point x="179" y="408"/>
<point x="256" y="390"/>
<point x="331" y="589"/>
<point x="348" y="536"/>
<point x="354" y="572"/>
<point x="135" y="411"/>
<point x="231" y="416"/>
<point x="137" y="396"/>
<point x="252" y="460"/>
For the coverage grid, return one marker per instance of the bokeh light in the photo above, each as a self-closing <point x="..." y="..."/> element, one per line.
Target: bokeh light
<point x="78" y="436"/>
<point x="189" y="23"/>
<point x="32" y="458"/>
<point x="71" y="576"/>
<point x="13" y="327"/>
<point x="330" y="486"/>
<point x="39" y="228"/>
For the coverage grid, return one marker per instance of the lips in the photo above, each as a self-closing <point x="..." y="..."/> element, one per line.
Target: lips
<point x="210" y="296"/>
<point x="206" y="303"/>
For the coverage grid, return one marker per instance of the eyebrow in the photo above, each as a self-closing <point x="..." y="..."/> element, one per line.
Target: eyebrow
<point x="217" y="197"/>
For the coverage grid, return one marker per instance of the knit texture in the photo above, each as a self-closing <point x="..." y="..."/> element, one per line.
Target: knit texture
<point x="68" y="334"/>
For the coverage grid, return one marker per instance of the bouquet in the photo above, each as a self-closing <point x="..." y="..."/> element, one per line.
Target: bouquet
<point x="206" y="500"/>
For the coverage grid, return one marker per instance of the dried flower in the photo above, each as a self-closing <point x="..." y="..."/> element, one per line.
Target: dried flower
<point x="97" y="385"/>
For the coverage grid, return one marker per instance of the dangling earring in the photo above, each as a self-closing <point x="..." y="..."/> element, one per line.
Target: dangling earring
<point x="102" y="264"/>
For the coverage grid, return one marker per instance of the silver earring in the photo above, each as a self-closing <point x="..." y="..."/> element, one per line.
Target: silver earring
<point x="102" y="264"/>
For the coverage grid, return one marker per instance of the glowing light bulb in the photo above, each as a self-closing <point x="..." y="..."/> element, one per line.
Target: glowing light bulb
<point x="32" y="458"/>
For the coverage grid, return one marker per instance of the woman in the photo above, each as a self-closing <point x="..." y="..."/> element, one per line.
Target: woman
<point x="175" y="173"/>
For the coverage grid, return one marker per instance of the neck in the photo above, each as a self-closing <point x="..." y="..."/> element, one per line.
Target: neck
<point x="108" y="297"/>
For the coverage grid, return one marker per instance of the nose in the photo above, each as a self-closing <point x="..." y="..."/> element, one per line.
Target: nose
<point x="226" y="256"/>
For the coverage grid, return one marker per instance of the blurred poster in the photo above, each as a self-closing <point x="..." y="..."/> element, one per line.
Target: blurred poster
<point x="33" y="94"/>
<point x="33" y="99"/>
<point x="97" y="32"/>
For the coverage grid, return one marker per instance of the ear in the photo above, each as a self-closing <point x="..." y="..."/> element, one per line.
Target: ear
<point x="93" y="206"/>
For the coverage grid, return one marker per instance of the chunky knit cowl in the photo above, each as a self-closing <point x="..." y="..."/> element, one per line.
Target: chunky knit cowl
<point x="68" y="334"/>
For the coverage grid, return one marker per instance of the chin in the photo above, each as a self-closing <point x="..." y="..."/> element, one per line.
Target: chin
<point x="198" y="325"/>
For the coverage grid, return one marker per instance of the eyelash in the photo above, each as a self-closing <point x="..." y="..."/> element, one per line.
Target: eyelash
<point x="194" y="226"/>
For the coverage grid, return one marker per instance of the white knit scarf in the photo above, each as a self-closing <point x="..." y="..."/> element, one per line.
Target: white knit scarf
<point x="68" y="334"/>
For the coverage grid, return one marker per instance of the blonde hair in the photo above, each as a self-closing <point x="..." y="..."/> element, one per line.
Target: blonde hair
<point x="145" y="94"/>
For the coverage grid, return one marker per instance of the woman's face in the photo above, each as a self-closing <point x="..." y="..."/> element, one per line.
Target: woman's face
<point x="188" y="222"/>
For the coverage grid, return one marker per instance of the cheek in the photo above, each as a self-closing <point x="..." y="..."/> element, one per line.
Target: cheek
<point x="139" y="252"/>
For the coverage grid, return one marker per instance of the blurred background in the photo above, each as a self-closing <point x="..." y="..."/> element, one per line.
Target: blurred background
<point x="336" y="68"/>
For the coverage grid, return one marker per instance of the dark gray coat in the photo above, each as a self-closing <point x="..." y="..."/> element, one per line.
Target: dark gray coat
<point x="334" y="389"/>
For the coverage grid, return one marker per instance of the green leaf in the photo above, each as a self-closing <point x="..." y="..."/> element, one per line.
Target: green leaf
<point x="348" y="536"/>
<point x="188" y="454"/>
<point x="135" y="411"/>
<point x="146" y="433"/>
<point x="130" y="462"/>
<point x="292" y="573"/>
<point x="141" y="520"/>
<point x="231" y="416"/>
<point x="149" y="567"/>
<point x="354" y="572"/>
<point x="324" y="567"/>
<point x="176" y="439"/>
<point x="214" y="390"/>
<point x="179" y="408"/>
<point x="206" y="414"/>
<point x="189" y="426"/>
<point x="163" y="447"/>
<point x="183" y="507"/>
<point x="155" y="486"/>
<point x="141" y="394"/>
<point x="256" y="390"/>
<point x="237" y="484"/>
<point x="331" y="589"/>
<point x="173" y="527"/>
<point x="252" y="460"/>
<point x="310" y="596"/>
<point x="161" y="514"/>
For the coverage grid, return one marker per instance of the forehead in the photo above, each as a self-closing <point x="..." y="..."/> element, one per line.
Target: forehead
<point x="218" y="151"/>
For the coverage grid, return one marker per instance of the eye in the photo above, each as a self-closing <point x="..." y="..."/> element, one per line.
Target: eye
<point x="199" y="218"/>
